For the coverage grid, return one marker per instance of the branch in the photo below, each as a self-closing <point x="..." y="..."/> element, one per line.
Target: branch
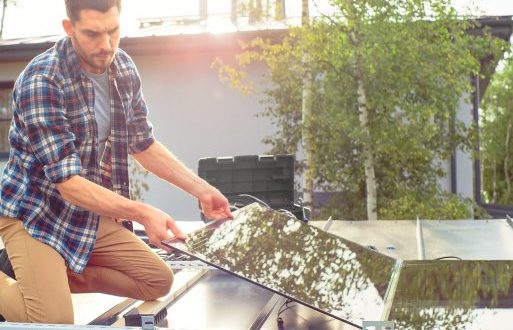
<point x="342" y="28"/>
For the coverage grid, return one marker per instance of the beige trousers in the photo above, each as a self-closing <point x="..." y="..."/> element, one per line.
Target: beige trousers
<point x="121" y="264"/>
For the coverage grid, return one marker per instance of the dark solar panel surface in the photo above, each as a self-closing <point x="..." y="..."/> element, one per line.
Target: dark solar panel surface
<point x="297" y="260"/>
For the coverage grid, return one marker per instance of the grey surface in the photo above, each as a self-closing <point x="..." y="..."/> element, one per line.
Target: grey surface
<point x="219" y="301"/>
<point x="467" y="239"/>
<point x="300" y="317"/>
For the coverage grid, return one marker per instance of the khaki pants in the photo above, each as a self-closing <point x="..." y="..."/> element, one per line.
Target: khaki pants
<point x="121" y="264"/>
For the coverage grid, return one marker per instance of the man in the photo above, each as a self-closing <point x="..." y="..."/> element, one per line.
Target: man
<point x="78" y="113"/>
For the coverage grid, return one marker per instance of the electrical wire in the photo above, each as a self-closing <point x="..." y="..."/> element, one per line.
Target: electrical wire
<point x="449" y="258"/>
<point x="287" y="212"/>
<point x="279" y="320"/>
<point x="239" y="201"/>
<point x="246" y="199"/>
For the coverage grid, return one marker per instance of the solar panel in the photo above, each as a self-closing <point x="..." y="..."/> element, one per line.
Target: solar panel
<point x="296" y="260"/>
<point x="454" y="294"/>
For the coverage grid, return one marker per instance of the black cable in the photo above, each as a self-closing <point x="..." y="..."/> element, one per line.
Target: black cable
<point x="288" y="213"/>
<point x="449" y="257"/>
<point x="281" y="310"/>
<point x="239" y="201"/>
<point x="246" y="199"/>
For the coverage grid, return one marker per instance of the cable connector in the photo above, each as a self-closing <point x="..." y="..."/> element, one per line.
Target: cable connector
<point x="146" y="321"/>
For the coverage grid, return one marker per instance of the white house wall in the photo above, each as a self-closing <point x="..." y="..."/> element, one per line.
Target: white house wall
<point x="196" y="116"/>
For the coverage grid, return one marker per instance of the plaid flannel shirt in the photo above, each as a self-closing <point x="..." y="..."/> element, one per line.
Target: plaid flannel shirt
<point x="54" y="136"/>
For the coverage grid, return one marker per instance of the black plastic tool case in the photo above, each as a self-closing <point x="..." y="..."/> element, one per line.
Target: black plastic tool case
<point x="268" y="178"/>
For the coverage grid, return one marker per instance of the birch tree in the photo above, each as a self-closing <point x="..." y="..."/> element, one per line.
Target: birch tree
<point x="387" y="78"/>
<point x="306" y="111"/>
<point x="497" y="136"/>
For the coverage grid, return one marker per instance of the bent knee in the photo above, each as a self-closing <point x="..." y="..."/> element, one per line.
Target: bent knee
<point x="52" y="316"/>
<point x="41" y="313"/>
<point x="158" y="286"/>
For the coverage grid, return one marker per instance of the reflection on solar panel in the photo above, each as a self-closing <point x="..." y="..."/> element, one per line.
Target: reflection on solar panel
<point x="298" y="261"/>
<point x="353" y="283"/>
<point x="454" y="294"/>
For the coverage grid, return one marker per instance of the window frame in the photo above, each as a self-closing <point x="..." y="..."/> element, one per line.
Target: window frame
<point x="5" y="85"/>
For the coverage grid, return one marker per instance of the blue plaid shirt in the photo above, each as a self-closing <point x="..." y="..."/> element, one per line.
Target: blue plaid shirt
<point x="54" y="136"/>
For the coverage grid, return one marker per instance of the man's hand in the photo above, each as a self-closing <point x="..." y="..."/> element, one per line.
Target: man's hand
<point x="161" y="162"/>
<point x="214" y="205"/>
<point x="157" y="225"/>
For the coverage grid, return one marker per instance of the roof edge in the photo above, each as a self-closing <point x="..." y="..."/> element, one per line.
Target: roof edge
<point x="151" y="45"/>
<point x="25" y="48"/>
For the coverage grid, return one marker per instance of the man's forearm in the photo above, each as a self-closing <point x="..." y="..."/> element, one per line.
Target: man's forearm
<point x="161" y="162"/>
<point x="88" y="195"/>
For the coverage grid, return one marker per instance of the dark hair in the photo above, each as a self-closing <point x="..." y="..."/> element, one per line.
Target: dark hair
<point x="73" y="7"/>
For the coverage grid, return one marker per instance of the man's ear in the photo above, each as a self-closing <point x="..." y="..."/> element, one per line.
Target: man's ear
<point x="68" y="27"/>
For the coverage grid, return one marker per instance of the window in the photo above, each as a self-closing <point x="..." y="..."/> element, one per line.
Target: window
<point x="496" y="142"/>
<point x="5" y="117"/>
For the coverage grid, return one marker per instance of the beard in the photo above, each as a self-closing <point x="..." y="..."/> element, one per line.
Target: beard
<point x="98" y="61"/>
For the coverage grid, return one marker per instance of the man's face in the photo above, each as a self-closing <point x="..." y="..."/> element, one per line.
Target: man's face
<point x="95" y="37"/>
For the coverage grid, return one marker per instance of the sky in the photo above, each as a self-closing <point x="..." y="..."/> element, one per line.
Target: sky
<point x="38" y="18"/>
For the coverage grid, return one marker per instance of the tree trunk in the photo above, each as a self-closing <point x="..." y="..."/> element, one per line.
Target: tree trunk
<point x="259" y="9"/>
<point x="234" y="12"/>
<point x="494" y="181"/>
<point x="4" y="6"/>
<point x="306" y="110"/>
<point x="506" y="159"/>
<point x="305" y="12"/>
<point x="255" y="11"/>
<point x="363" y="115"/>
<point x="368" y="157"/>
<point x="279" y="10"/>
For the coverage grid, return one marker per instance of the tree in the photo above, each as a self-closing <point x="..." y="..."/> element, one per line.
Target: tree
<point x="497" y="136"/>
<point x="4" y="4"/>
<point x="138" y="175"/>
<point x="257" y="10"/>
<point x="306" y="114"/>
<point x="388" y="77"/>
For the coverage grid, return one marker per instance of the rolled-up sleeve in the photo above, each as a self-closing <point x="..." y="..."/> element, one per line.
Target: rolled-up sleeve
<point x="42" y="109"/>
<point x="140" y="129"/>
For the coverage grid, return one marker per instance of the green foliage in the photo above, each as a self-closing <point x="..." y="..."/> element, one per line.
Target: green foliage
<point x="259" y="10"/>
<point x="428" y="206"/>
<point x="414" y="59"/>
<point x="497" y="136"/>
<point x="138" y="185"/>
<point x="410" y="205"/>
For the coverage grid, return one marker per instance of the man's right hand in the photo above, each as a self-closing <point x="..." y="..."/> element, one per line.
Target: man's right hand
<point x="157" y="224"/>
<point x="84" y="193"/>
